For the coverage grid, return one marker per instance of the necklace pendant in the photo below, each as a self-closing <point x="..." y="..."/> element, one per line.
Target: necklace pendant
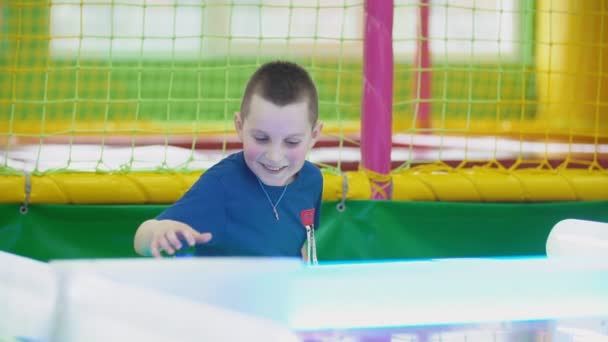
<point x="273" y="205"/>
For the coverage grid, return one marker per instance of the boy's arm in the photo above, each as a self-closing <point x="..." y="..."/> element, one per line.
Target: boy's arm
<point x="304" y="254"/>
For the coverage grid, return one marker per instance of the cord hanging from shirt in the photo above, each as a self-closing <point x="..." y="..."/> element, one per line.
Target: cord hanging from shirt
<point x="311" y="246"/>
<point x="273" y="205"/>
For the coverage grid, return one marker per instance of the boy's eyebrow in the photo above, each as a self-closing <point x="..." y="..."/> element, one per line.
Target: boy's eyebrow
<point x="257" y="131"/>
<point x="294" y="135"/>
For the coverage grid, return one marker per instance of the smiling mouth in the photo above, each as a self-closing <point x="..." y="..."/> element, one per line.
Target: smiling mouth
<point x="272" y="169"/>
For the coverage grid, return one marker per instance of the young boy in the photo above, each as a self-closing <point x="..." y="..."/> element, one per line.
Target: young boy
<point x="256" y="202"/>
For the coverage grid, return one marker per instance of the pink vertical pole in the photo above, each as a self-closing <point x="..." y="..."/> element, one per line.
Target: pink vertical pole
<point x="377" y="103"/>
<point x="422" y="69"/>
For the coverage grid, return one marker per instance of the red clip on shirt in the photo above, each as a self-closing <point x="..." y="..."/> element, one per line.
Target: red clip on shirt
<point x="308" y="217"/>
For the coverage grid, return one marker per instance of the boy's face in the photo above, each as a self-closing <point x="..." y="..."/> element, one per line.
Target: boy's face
<point x="276" y="139"/>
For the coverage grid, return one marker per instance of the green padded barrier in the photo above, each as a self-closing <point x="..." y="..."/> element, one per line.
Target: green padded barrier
<point x="393" y="230"/>
<point x="365" y="230"/>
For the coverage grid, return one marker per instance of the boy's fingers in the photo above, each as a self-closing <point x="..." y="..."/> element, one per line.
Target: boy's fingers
<point x="173" y="240"/>
<point x="203" y="238"/>
<point x="164" y="244"/>
<point x="154" y="251"/>
<point x="187" y="235"/>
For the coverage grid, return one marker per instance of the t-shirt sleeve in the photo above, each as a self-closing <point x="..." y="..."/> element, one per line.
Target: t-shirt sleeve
<point x="319" y="199"/>
<point x="201" y="207"/>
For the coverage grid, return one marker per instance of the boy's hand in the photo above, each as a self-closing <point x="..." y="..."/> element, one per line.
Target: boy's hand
<point x="171" y="236"/>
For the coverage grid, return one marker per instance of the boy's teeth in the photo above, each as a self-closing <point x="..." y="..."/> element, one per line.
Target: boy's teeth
<point x="272" y="168"/>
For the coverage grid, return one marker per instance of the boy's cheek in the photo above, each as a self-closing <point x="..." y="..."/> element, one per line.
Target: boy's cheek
<point x="298" y="154"/>
<point x="251" y="154"/>
<point x="251" y="148"/>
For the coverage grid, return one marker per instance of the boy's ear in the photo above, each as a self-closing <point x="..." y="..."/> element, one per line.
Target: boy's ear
<point x="238" y="123"/>
<point x="316" y="133"/>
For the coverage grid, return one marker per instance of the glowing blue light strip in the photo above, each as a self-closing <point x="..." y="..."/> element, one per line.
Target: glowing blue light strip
<point x="375" y="295"/>
<point x="447" y="292"/>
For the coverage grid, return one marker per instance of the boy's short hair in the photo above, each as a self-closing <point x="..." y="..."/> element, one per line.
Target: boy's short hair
<point x="282" y="83"/>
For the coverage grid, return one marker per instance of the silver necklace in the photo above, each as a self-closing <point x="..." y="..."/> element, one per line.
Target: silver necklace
<point x="273" y="205"/>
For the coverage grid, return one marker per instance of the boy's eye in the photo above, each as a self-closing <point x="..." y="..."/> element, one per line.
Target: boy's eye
<point x="261" y="139"/>
<point x="292" y="142"/>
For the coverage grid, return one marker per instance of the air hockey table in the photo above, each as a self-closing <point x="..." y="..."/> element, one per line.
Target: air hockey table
<point x="470" y="299"/>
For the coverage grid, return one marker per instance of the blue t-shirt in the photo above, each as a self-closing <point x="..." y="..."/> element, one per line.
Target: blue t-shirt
<point x="228" y="201"/>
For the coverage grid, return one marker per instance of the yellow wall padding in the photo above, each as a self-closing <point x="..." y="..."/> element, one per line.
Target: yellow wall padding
<point x="12" y="189"/>
<point x="80" y="188"/>
<point x="358" y="186"/>
<point x="426" y="184"/>
<point x="571" y="66"/>
<point x="496" y="185"/>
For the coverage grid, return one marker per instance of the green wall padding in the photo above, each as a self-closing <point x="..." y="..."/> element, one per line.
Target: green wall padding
<point x="365" y="230"/>
<point x="394" y="230"/>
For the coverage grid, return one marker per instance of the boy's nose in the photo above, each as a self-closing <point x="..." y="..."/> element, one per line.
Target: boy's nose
<point x="274" y="154"/>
